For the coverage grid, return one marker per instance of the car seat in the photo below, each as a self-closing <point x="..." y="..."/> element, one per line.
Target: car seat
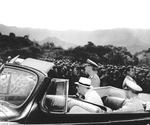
<point x="56" y="103"/>
<point x="113" y="102"/>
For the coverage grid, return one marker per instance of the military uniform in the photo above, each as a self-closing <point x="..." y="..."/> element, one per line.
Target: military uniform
<point x="95" y="81"/>
<point x="133" y="103"/>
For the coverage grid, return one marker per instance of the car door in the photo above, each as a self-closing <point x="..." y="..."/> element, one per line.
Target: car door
<point x="53" y="109"/>
<point x="56" y="101"/>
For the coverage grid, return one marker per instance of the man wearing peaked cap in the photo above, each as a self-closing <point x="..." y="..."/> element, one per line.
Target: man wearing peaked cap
<point x="85" y="89"/>
<point x="90" y="62"/>
<point x="133" y="103"/>
<point x="91" y="69"/>
<point x="130" y="74"/>
<point x="132" y="86"/>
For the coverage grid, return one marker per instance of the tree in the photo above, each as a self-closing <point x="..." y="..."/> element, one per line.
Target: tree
<point x="90" y="44"/>
<point x="12" y="35"/>
<point x="48" y="45"/>
<point x="26" y="36"/>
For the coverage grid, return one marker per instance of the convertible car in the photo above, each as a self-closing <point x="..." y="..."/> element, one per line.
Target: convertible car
<point x="29" y="96"/>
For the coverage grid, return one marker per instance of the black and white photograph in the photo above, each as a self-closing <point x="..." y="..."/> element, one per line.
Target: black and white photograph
<point x="75" y="62"/>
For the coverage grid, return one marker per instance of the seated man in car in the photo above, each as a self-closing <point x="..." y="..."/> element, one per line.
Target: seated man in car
<point x="130" y="75"/>
<point x="84" y="89"/>
<point x="133" y="102"/>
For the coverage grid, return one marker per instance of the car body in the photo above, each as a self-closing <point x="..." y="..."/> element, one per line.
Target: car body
<point x="29" y="96"/>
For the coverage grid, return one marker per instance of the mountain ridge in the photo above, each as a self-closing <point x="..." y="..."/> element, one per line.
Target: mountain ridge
<point x="134" y="40"/>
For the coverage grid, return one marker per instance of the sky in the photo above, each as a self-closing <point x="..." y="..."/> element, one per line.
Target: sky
<point x="86" y="15"/>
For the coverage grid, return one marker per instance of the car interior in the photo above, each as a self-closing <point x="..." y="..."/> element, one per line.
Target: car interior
<point x="113" y="99"/>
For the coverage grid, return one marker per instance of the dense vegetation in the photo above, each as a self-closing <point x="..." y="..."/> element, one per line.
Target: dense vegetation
<point x="12" y="45"/>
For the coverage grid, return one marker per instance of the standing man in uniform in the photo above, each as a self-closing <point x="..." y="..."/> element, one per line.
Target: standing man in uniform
<point x="91" y="69"/>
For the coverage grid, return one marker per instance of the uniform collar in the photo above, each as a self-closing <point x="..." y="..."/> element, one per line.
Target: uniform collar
<point x="91" y="76"/>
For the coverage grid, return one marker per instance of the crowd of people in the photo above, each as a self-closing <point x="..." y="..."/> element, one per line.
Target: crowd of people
<point x="110" y="75"/>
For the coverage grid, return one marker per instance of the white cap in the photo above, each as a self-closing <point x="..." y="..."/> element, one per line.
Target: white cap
<point x="132" y="85"/>
<point x="84" y="82"/>
<point x="90" y="62"/>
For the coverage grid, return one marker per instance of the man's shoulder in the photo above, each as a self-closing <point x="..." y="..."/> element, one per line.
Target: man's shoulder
<point x="95" y="76"/>
<point x="95" y="80"/>
<point x="92" y="91"/>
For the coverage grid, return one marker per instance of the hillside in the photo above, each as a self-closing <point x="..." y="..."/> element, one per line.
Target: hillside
<point x="57" y="42"/>
<point x="135" y="40"/>
<point x="12" y="45"/>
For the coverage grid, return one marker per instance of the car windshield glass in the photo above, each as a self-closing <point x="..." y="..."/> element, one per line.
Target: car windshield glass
<point x="16" y="85"/>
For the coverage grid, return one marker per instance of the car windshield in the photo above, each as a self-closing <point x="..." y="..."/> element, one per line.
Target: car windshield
<point x="16" y="85"/>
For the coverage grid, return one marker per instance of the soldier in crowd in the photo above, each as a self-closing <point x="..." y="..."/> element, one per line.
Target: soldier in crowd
<point x="147" y="84"/>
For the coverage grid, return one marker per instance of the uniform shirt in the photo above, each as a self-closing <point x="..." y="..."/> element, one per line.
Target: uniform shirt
<point x="95" y="81"/>
<point x="133" y="104"/>
<point x="93" y="97"/>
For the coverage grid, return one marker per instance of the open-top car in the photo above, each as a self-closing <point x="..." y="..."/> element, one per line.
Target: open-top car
<point x="29" y="96"/>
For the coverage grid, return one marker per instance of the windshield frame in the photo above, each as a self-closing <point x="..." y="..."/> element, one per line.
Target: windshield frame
<point x="64" y="93"/>
<point x="31" y="91"/>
